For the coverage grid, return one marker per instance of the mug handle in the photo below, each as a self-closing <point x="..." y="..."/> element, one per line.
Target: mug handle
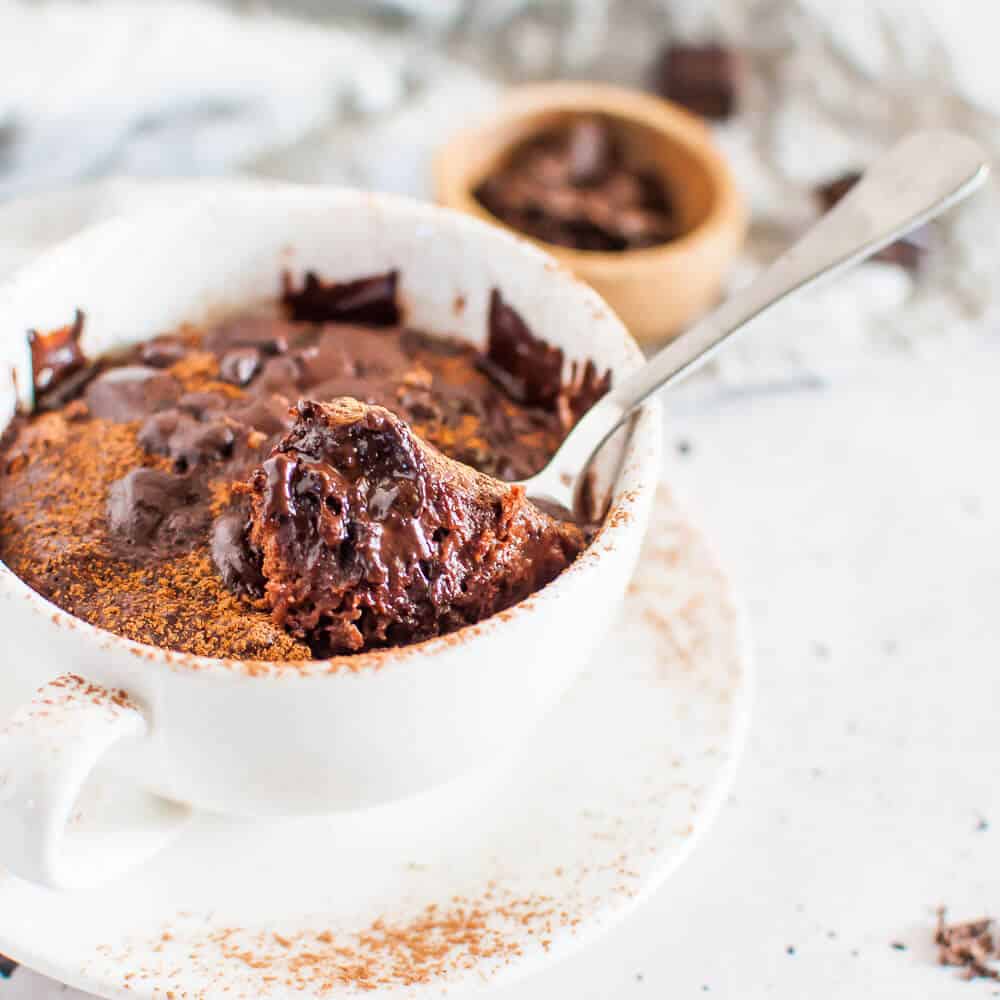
<point x="48" y="749"/>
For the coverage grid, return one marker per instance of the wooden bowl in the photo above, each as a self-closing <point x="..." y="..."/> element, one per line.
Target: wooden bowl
<point x="656" y="291"/>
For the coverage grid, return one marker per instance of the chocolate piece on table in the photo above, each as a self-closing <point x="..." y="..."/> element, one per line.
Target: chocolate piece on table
<point x="704" y="79"/>
<point x="969" y="945"/>
<point x="906" y="252"/>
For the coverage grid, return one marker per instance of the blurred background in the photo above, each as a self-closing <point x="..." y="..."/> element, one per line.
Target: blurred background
<point x="362" y="93"/>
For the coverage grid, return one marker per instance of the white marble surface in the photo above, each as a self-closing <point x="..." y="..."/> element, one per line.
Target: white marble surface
<point x="844" y="463"/>
<point x="858" y="516"/>
<point x="860" y="521"/>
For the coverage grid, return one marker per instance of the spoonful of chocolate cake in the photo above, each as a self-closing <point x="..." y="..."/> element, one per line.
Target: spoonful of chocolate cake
<point x="369" y="536"/>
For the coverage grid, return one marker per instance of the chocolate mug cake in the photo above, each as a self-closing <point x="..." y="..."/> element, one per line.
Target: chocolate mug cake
<point x="283" y="485"/>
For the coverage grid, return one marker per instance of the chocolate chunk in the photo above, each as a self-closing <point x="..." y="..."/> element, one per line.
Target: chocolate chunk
<point x="239" y="365"/>
<point x="139" y="502"/>
<point x="278" y="376"/>
<point x="367" y="301"/>
<point x="591" y="152"/>
<point x="269" y="335"/>
<point x="704" y="79"/>
<point x="162" y="352"/>
<point x="155" y="434"/>
<point x="56" y="358"/>
<point x="265" y="414"/>
<point x="188" y="441"/>
<point x="67" y="389"/>
<point x="584" y="387"/>
<point x="56" y="354"/>
<point x="525" y="367"/>
<point x="969" y="945"/>
<point x="329" y="358"/>
<point x="130" y="393"/>
<point x="574" y="187"/>
<point x="7" y="966"/>
<point x="370" y="537"/>
<point x="238" y="564"/>
<point x="183" y="528"/>
<point x="832" y="191"/>
<point x="906" y="252"/>
<point x="202" y="404"/>
<point x="194" y="444"/>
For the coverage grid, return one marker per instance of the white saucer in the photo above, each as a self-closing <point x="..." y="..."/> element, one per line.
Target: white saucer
<point x="473" y="885"/>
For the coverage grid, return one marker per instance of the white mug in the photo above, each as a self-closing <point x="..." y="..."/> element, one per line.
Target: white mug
<point x="257" y="739"/>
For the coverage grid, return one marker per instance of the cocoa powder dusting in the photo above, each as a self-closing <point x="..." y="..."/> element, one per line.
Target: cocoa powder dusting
<point x="437" y="944"/>
<point x="55" y="537"/>
<point x="118" y="499"/>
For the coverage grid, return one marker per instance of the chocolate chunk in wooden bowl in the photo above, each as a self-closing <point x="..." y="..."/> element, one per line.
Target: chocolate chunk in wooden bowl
<point x="705" y="79"/>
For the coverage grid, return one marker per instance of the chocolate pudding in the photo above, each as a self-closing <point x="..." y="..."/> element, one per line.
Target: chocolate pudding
<point x="285" y="485"/>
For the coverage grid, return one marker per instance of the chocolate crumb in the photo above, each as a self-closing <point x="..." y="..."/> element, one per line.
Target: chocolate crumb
<point x="897" y="945"/>
<point x="982" y="824"/>
<point x="790" y="950"/>
<point x="967" y="945"/>
<point x="906" y="252"/>
<point x="705" y="79"/>
<point x="7" y="966"/>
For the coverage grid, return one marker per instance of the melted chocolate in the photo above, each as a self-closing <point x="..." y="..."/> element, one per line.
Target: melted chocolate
<point x="370" y="537"/>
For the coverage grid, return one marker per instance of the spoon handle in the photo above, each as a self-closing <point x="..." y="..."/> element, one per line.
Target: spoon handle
<point x="914" y="181"/>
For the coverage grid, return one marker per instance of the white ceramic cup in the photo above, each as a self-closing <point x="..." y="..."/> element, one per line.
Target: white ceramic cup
<point x="259" y="739"/>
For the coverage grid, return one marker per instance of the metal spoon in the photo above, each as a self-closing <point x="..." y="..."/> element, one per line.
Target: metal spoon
<point x="920" y="177"/>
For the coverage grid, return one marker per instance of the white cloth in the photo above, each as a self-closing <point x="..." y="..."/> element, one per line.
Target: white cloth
<point x="163" y="88"/>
